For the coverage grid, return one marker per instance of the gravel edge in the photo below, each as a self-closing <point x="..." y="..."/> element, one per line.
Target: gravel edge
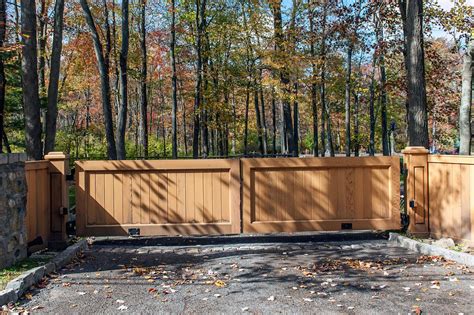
<point x="18" y="286"/>
<point x="433" y="250"/>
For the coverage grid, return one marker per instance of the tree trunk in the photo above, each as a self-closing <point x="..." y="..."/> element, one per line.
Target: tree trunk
<point x="329" y="132"/>
<point x="324" y="112"/>
<point x="246" y="119"/>
<point x="264" y="121"/>
<point x="314" y="86"/>
<point x="143" y="83"/>
<point x="259" y="122"/>
<point x="104" y="81"/>
<point x="383" y="89"/>
<point x="52" y="111"/>
<point x="274" y="123"/>
<point x="296" y="117"/>
<point x="200" y="19"/>
<point x="347" y="103"/>
<point x="288" y="134"/>
<point x="412" y="17"/>
<point x="29" y="67"/>
<point x="173" y="82"/>
<point x="3" y="79"/>
<point x="372" y="109"/>
<point x="356" y="125"/>
<point x="466" y="100"/>
<point x="43" y="29"/>
<point x="122" y="114"/>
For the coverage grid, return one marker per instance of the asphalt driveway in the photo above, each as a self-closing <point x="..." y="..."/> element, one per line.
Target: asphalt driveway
<point x="332" y="277"/>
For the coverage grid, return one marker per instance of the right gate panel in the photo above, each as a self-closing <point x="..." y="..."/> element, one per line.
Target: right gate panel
<point x="320" y="194"/>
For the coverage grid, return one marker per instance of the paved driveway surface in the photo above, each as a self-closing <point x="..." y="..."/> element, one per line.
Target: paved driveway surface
<point x="358" y="277"/>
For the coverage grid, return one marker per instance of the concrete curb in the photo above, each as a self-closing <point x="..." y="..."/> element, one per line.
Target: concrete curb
<point x="427" y="249"/>
<point x="18" y="286"/>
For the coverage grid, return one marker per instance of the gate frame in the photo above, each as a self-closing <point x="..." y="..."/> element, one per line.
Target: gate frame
<point x="248" y="165"/>
<point x="83" y="167"/>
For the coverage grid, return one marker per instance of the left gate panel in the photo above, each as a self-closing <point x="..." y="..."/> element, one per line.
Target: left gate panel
<point x="183" y="197"/>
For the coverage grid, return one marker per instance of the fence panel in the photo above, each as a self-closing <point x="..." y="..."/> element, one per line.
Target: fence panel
<point x="311" y="194"/>
<point x="158" y="197"/>
<point x="451" y="197"/>
<point x="38" y="214"/>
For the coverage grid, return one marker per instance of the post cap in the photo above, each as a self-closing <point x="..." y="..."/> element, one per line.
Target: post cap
<point x="56" y="156"/>
<point x="415" y="150"/>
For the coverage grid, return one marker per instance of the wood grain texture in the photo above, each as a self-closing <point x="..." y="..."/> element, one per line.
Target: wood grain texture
<point x="290" y="195"/>
<point x="158" y="197"/>
<point x="38" y="214"/>
<point x="451" y="197"/>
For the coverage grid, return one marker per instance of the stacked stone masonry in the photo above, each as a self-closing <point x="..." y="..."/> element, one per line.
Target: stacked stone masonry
<point x="13" y="240"/>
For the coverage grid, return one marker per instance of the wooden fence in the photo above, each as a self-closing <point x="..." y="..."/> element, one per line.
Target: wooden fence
<point x="290" y="195"/>
<point x="451" y="197"/>
<point x="47" y="200"/>
<point x="204" y="196"/>
<point x="158" y="197"/>
<point x="38" y="214"/>
<point x="440" y="194"/>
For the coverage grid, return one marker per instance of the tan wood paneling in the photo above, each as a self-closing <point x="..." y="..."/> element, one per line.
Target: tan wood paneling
<point x="38" y="214"/>
<point x="158" y="197"/>
<point x="295" y="194"/>
<point x="451" y="197"/>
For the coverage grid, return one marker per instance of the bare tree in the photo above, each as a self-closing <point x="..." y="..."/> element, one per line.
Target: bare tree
<point x="174" y="81"/>
<point x="53" y="87"/>
<point x="104" y="68"/>
<point x="143" y="83"/>
<point x="29" y="67"/>
<point x="3" y="79"/>
<point x="412" y="18"/>
<point x="123" y="60"/>
<point x="466" y="100"/>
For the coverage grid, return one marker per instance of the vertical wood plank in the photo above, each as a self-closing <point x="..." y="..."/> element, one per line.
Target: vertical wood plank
<point x="225" y="192"/>
<point x="207" y="201"/>
<point x="127" y="197"/>
<point x="118" y="193"/>
<point x="216" y="197"/>
<point x="190" y="204"/>
<point x="199" y="197"/>
<point x="145" y="198"/>
<point x="181" y="197"/>
<point x="109" y="199"/>
<point x="91" y="202"/>
<point x="173" y="216"/>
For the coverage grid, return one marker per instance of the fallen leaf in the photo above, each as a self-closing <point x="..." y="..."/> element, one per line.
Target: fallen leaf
<point x="350" y="307"/>
<point x="152" y="290"/>
<point x="220" y="283"/>
<point x="120" y="301"/>
<point x="81" y="293"/>
<point x="122" y="308"/>
<point x="307" y="300"/>
<point x="271" y="298"/>
<point x="28" y="296"/>
<point x="244" y="309"/>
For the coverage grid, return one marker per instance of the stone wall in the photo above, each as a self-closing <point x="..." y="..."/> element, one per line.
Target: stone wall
<point x="13" y="241"/>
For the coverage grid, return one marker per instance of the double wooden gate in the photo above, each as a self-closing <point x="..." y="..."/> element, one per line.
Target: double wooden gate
<point x="198" y="197"/>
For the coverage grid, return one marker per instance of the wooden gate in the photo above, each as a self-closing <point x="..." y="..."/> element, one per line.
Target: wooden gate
<point x="314" y="194"/>
<point x="158" y="197"/>
<point x="205" y="196"/>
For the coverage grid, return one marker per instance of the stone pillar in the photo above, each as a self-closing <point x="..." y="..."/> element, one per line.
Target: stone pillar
<point x="13" y="242"/>
<point x="415" y="160"/>
<point x="59" y="168"/>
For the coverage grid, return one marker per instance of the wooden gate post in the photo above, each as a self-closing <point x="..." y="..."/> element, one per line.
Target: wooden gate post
<point x="59" y="168"/>
<point x="416" y="192"/>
